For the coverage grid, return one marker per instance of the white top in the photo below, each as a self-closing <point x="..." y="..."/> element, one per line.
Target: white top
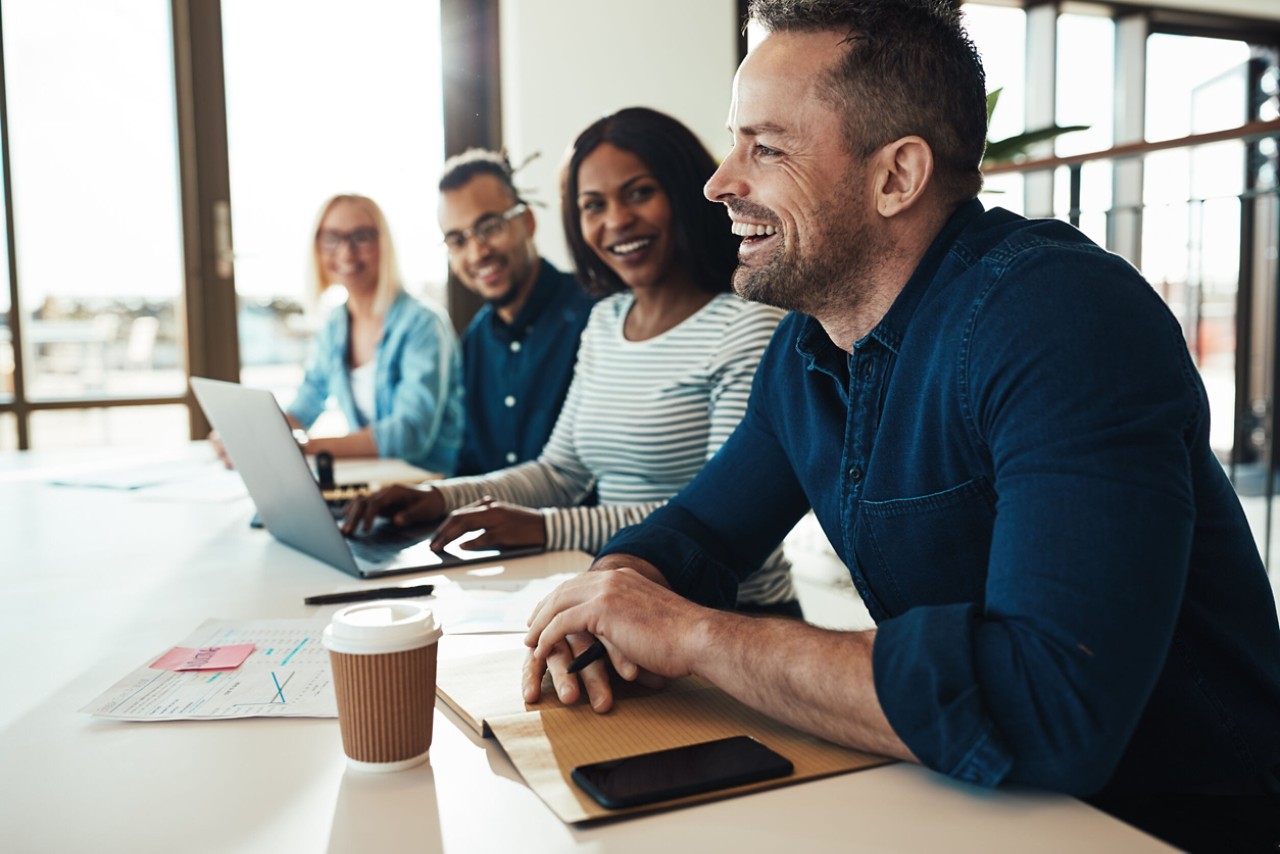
<point x="363" y="381"/>
<point x="640" y="420"/>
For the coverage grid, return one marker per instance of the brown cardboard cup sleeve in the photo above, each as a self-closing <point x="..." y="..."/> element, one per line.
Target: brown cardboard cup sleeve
<point x="383" y="655"/>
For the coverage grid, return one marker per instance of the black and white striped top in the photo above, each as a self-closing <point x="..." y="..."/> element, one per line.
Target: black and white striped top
<point x="640" y="419"/>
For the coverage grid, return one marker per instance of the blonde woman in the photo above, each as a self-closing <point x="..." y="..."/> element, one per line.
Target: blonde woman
<point x="390" y="362"/>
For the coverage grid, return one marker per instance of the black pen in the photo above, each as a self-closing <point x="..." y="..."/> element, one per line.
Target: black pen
<point x="372" y="593"/>
<point x="592" y="653"/>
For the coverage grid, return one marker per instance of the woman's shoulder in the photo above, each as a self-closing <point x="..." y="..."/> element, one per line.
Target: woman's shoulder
<point x="729" y="308"/>
<point x="609" y="311"/>
<point x="409" y="310"/>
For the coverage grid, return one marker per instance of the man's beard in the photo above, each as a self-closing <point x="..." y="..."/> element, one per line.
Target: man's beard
<point x="834" y="272"/>
<point x="508" y="296"/>
<point x="517" y="281"/>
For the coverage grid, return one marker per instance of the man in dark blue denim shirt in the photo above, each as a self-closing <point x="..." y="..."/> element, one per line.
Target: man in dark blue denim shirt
<point x="519" y="351"/>
<point x="1001" y="431"/>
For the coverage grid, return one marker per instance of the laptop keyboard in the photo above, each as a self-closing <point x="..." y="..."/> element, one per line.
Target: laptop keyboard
<point x="385" y="541"/>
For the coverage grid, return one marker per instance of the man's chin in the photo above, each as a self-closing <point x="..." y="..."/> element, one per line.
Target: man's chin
<point x="759" y="286"/>
<point x="503" y="298"/>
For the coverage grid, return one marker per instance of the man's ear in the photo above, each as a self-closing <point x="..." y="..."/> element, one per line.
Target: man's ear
<point x="903" y="172"/>
<point x="530" y="221"/>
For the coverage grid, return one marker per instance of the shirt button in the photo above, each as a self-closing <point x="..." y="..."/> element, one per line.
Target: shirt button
<point x="855" y="473"/>
<point x="866" y="370"/>
<point x="511" y="457"/>
<point x="509" y="401"/>
<point x="515" y="346"/>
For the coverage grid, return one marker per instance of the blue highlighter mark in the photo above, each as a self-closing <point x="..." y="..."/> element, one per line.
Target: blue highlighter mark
<point x="279" y="693"/>
<point x="213" y="677"/>
<point x="294" y="651"/>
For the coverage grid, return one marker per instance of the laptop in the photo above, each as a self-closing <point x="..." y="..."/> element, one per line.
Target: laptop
<point x="260" y="443"/>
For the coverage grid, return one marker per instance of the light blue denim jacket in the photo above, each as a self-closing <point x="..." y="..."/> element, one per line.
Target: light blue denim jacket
<point x="418" y="399"/>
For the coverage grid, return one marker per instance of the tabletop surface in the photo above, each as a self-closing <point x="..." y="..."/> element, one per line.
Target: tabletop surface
<point x="96" y="581"/>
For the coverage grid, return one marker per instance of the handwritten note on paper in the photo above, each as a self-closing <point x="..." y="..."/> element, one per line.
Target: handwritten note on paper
<point x="204" y="658"/>
<point x="286" y="676"/>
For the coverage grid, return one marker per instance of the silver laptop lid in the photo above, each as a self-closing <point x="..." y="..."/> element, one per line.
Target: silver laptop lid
<point x="260" y="443"/>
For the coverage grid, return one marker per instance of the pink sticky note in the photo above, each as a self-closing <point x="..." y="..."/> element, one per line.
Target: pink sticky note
<point x="204" y="658"/>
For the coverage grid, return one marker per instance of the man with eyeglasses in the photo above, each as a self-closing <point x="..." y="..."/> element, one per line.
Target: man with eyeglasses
<point x="518" y="352"/>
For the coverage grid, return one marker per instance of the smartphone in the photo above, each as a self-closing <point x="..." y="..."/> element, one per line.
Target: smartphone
<point x="666" y="774"/>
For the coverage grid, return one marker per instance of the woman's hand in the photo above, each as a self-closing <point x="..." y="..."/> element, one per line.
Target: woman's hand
<point x="216" y="442"/>
<point x="405" y="506"/>
<point x="504" y="525"/>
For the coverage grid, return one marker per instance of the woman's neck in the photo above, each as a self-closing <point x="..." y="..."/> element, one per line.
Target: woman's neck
<point x="365" y="329"/>
<point x="360" y="305"/>
<point x="663" y="306"/>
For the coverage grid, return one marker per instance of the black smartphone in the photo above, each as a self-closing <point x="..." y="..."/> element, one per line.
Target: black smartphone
<point x="666" y="774"/>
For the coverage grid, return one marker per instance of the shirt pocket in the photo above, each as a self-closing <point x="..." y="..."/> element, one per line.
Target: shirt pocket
<point x="930" y="549"/>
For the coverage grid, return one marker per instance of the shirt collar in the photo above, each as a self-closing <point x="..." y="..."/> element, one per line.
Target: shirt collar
<point x="815" y="346"/>
<point x="893" y="326"/>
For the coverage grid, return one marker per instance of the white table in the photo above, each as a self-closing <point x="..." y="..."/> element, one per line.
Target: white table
<point x="94" y="582"/>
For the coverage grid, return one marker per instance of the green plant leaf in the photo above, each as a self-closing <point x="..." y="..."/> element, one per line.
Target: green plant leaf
<point x="1003" y="150"/>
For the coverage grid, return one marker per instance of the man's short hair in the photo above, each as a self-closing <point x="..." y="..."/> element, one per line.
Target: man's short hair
<point x="460" y="169"/>
<point x="911" y="70"/>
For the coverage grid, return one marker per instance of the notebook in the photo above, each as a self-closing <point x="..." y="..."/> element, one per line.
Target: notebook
<point x="260" y="443"/>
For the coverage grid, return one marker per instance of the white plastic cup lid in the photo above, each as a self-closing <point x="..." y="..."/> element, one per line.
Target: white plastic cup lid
<point x="384" y="625"/>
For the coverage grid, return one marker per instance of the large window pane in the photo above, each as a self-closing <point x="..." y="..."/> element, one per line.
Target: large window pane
<point x="1000" y="35"/>
<point x="95" y="197"/>
<point x="8" y="432"/>
<point x="1191" y="226"/>
<point x="1085" y="97"/>
<point x="119" y="426"/>
<point x="363" y="114"/>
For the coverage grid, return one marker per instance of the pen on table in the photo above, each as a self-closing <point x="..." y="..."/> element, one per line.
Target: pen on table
<point x="372" y="593"/>
<point x="589" y="655"/>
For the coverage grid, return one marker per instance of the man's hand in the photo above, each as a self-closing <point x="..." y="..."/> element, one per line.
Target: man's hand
<point x="405" y="506"/>
<point x="504" y="525"/>
<point x="648" y="631"/>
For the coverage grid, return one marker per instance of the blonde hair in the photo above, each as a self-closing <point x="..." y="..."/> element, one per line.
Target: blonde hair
<point x="389" y="282"/>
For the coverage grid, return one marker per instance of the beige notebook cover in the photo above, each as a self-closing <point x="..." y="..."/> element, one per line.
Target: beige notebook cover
<point x="545" y="742"/>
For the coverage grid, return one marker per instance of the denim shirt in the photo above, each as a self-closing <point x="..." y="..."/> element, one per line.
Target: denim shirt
<point x="516" y="376"/>
<point x="1015" y="467"/>
<point x="418" y="396"/>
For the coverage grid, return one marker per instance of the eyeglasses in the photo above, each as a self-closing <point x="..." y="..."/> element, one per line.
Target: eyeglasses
<point x="360" y="239"/>
<point x="488" y="227"/>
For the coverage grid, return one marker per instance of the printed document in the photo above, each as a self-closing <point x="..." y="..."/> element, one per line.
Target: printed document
<point x="286" y="675"/>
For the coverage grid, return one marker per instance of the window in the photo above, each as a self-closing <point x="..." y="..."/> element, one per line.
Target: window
<point x="363" y="115"/>
<point x="321" y="97"/>
<point x="999" y="33"/>
<point x="93" y="166"/>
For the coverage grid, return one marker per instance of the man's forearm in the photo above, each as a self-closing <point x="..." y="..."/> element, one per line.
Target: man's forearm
<point x="816" y="680"/>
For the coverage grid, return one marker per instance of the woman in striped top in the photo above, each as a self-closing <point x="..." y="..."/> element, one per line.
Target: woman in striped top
<point x="664" y="366"/>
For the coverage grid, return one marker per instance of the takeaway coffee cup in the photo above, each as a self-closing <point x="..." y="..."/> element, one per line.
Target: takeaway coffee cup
<point x="383" y="655"/>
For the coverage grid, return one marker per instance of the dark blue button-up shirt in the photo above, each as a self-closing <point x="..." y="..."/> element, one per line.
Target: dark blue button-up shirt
<point x="1015" y="467"/>
<point x="515" y="377"/>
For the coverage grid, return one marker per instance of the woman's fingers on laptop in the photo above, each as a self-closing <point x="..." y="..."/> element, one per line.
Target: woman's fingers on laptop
<point x="403" y="505"/>
<point x="414" y="506"/>
<point x="362" y="512"/>
<point x="504" y="525"/>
